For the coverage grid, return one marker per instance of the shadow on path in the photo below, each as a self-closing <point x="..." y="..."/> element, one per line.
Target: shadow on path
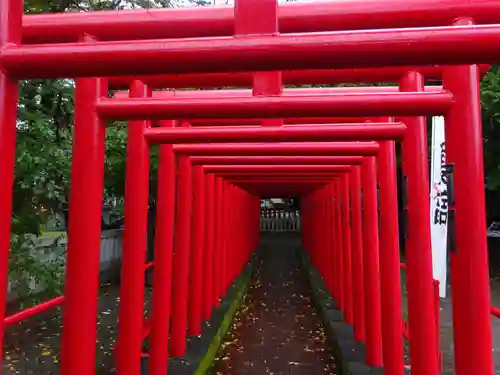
<point x="276" y="330"/>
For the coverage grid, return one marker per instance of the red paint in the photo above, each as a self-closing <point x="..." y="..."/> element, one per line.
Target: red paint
<point x="182" y="259"/>
<point x="10" y="32"/>
<point x="285" y="92"/>
<point x="293" y="18"/>
<point x="162" y="276"/>
<point x="294" y="77"/>
<point x="84" y="232"/>
<point x="134" y="244"/>
<point x="419" y="282"/>
<point x="469" y="261"/>
<point x="338" y="104"/>
<point x="32" y="311"/>
<point x="257" y="39"/>
<point x="346" y="218"/>
<point x="390" y="278"/>
<point x="217" y="241"/>
<point x="332" y="50"/>
<point x="283" y="149"/>
<point x="371" y="269"/>
<point x="197" y="248"/>
<point x="337" y="132"/>
<point x="340" y="246"/>
<point x="260" y="17"/>
<point x="209" y="256"/>
<point x="357" y="255"/>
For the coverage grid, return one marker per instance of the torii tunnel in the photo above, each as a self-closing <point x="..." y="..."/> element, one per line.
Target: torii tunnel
<point x="221" y="150"/>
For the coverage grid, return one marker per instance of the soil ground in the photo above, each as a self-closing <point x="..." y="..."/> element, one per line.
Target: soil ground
<point x="33" y="346"/>
<point x="276" y="312"/>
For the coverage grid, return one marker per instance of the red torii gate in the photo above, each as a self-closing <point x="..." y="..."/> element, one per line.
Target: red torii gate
<point x="258" y="46"/>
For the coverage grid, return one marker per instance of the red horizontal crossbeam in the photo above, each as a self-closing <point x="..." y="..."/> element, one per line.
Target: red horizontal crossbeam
<point x="295" y="77"/>
<point x="197" y="22"/>
<point x="292" y="148"/>
<point x="317" y="91"/>
<point x="278" y="169"/>
<point x="286" y="188"/>
<point x="370" y="104"/>
<point x="333" y="50"/>
<point x="286" y="121"/>
<point x="277" y="160"/>
<point x="495" y="311"/>
<point x="282" y="178"/>
<point x="336" y="132"/>
<point x="290" y="175"/>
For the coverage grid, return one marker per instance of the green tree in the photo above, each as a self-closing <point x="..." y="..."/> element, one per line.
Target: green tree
<point x="43" y="165"/>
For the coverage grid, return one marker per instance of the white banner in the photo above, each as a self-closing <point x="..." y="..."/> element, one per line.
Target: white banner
<point x="439" y="205"/>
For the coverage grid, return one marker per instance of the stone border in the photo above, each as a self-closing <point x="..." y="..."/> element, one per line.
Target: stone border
<point x="348" y="352"/>
<point x="201" y="351"/>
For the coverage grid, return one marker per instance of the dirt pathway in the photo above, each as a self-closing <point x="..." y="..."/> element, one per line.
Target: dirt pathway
<point x="276" y="331"/>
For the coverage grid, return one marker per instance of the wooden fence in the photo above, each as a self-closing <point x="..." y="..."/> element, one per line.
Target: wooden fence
<point x="279" y="220"/>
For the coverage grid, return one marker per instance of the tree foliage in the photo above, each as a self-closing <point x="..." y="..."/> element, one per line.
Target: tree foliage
<point x="43" y="159"/>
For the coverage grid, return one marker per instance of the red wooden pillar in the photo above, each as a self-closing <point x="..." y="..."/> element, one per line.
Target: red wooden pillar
<point x="330" y="233"/>
<point x="323" y="248"/>
<point x="347" y="257"/>
<point x="209" y="247"/>
<point x="162" y="276"/>
<point x="371" y="275"/>
<point x="469" y="258"/>
<point x="424" y="344"/>
<point x="357" y="255"/>
<point x="226" y="200"/>
<point x="339" y="235"/>
<point x="197" y="274"/>
<point x="390" y="278"/>
<point x="260" y="18"/>
<point x="304" y="203"/>
<point x="180" y="284"/>
<point x="134" y="243"/>
<point x="315" y="222"/>
<point x="235" y="232"/>
<point x="84" y="235"/>
<point x="217" y="239"/>
<point x="11" y="13"/>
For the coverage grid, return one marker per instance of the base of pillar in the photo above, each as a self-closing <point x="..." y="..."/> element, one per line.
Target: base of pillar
<point x="201" y="350"/>
<point x="349" y="353"/>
